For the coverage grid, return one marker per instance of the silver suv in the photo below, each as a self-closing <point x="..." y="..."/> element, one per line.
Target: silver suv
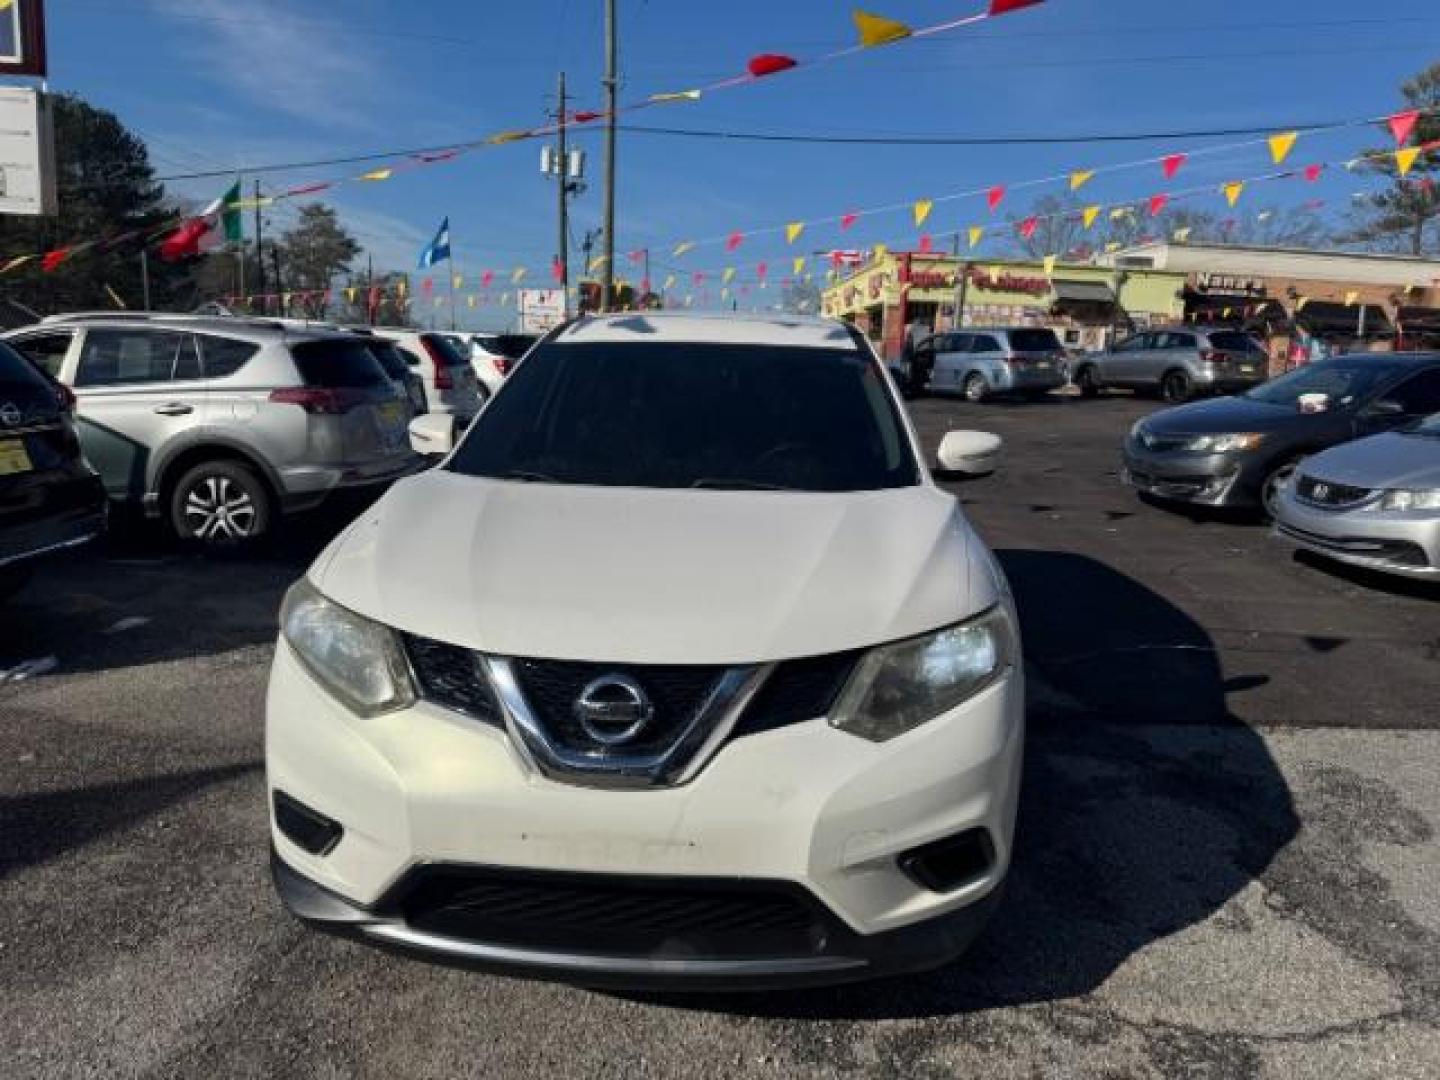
<point x="219" y="424"/>
<point x="1177" y="364"/>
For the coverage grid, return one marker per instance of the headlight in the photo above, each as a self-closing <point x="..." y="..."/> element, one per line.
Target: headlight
<point x="359" y="661"/>
<point x="1411" y="500"/>
<point x="1222" y="444"/>
<point x="899" y="687"/>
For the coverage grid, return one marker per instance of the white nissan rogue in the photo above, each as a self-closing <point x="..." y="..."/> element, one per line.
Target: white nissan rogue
<point x="678" y="670"/>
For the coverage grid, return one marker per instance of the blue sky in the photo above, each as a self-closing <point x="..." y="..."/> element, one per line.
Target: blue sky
<point x="214" y="84"/>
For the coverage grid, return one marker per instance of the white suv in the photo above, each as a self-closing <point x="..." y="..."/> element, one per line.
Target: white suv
<point x="679" y="669"/>
<point x="451" y="386"/>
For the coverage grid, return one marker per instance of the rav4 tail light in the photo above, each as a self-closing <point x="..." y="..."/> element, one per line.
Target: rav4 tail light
<point x="318" y="400"/>
<point x="443" y="379"/>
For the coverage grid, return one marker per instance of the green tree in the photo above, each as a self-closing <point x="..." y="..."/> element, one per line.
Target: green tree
<point x="1402" y="217"/>
<point x="315" y="251"/>
<point x="107" y="188"/>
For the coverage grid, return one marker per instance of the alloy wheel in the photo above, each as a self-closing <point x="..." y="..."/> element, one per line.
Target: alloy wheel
<point x="219" y="509"/>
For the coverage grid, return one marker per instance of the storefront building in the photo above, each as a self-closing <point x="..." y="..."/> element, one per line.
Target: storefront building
<point x="1088" y="306"/>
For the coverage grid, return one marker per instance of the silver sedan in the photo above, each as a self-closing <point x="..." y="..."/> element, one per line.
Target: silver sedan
<point x="1373" y="503"/>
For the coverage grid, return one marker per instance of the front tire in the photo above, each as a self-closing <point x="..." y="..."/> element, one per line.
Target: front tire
<point x="1272" y="485"/>
<point x="975" y="389"/>
<point x="1175" y="387"/>
<point x="1088" y="383"/>
<point x="221" y="505"/>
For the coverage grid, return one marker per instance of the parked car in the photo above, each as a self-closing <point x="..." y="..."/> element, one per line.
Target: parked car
<point x="451" y="385"/>
<point x="50" y="498"/>
<point x="620" y="692"/>
<point x="1177" y="364"/>
<point x="1240" y="451"/>
<point x="1374" y="502"/>
<point x="981" y="363"/>
<point x="219" y="424"/>
<point x="393" y="362"/>
<point x="495" y="354"/>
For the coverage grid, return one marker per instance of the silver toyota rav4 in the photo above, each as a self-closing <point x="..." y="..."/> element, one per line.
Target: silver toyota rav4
<point x="218" y="425"/>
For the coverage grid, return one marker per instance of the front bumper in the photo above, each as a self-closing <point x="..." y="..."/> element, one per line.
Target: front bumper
<point x="65" y="515"/>
<point x="1205" y="479"/>
<point x="1406" y="544"/>
<point x="805" y="808"/>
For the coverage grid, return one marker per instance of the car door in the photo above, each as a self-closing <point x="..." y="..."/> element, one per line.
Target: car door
<point x="1121" y="365"/>
<point x="1164" y="351"/>
<point x="950" y="359"/>
<point x="1412" y="398"/>
<point x="135" y="389"/>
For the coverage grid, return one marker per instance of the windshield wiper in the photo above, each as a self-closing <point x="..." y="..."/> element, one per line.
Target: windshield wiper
<point x="728" y="484"/>
<point x="529" y="477"/>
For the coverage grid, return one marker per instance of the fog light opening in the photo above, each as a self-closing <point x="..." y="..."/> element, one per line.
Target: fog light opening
<point x="308" y="829"/>
<point x="950" y="863"/>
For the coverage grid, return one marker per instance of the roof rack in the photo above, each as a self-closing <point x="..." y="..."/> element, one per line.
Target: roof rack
<point x="255" y="322"/>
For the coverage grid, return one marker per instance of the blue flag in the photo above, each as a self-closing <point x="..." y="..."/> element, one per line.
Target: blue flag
<point x="438" y="250"/>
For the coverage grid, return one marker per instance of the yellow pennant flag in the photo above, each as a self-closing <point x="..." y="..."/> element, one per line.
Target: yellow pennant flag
<point x="1049" y="264"/>
<point x="1405" y="159"/>
<point x="378" y="174"/>
<point x="350" y="294"/>
<point x="501" y="137"/>
<point x="877" y="30"/>
<point x="458" y="281"/>
<point x="793" y="231"/>
<point x="797" y="265"/>
<point x="1080" y="177"/>
<point x="976" y="233"/>
<point x="1282" y="144"/>
<point x="516" y="277"/>
<point x="1113" y="246"/>
<point x="683" y="247"/>
<point x="677" y="95"/>
<point x="1089" y="214"/>
<point x="1352" y="298"/>
<point x="1233" y="190"/>
<point x="596" y="263"/>
<point x="922" y="210"/>
<point x="1181" y="235"/>
<point x="728" y="275"/>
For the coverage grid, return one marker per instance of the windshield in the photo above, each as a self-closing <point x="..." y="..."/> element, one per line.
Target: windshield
<point x="1344" y="379"/>
<point x="669" y="415"/>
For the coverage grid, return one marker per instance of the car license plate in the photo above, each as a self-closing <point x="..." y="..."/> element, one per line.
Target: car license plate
<point x="13" y="458"/>
<point x="1247" y="369"/>
<point x="1042" y="365"/>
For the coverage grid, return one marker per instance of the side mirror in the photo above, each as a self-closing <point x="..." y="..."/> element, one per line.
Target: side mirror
<point x="969" y="453"/>
<point x="433" y="434"/>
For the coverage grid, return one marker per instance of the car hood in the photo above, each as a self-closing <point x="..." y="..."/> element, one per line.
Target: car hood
<point x="1394" y="460"/>
<point x="632" y="575"/>
<point x="1216" y="415"/>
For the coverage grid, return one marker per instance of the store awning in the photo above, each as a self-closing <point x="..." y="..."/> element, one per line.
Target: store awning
<point x="1343" y="320"/>
<point x="1083" y="292"/>
<point x="1418" y="320"/>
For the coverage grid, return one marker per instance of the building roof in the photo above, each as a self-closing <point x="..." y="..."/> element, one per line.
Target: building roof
<point x="1356" y="267"/>
<point x="709" y="328"/>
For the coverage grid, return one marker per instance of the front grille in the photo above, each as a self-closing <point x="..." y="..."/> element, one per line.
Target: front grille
<point x="1163" y="444"/>
<point x="1329" y="493"/>
<point x="677" y="692"/>
<point x="450" y="676"/>
<point x="798" y="690"/>
<point x="613" y="915"/>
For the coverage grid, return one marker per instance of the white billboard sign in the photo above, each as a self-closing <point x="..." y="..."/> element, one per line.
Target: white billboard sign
<point x="541" y="310"/>
<point x="27" y="153"/>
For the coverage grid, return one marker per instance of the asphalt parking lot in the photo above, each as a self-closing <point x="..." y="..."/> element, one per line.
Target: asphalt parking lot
<point x="1226" y="859"/>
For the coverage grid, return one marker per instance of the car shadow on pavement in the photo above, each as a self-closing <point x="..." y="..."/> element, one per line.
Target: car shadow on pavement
<point x="38" y="827"/>
<point x="1146" y="807"/>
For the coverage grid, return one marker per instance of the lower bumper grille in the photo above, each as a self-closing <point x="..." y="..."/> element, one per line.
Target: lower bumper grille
<point x="600" y="914"/>
<point x="1396" y="552"/>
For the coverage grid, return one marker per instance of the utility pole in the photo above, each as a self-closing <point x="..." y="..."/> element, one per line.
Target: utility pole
<point x="259" y="245"/>
<point x="562" y="182"/>
<point x="611" y="84"/>
<point x="145" y="278"/>
<point x="369" y="285"/>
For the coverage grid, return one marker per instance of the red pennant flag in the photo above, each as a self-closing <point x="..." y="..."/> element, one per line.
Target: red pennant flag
<point x="1157" y="203"/>
<point x="1312" y="172"/>
<point x="733" y="241"/>
<point x="836" y="259"/>
<point x="698" y="277"/>
<point x="557" y="271"/>
<point x="848" y="220"/>
<point x="1172" y="164"/>
<point x="54" y="258"/>
<point x="1028" y="227"/>
<point x="1004" y="7"/>
<point x="927" y="245"/>
<point x="586" y="117"/>
<point x="427" y="286"/>
<point x="486" y="278"/>
<point x="637" y="256"/>
<point x="761" y="270"/>
<point x="995" y="196"/>
<point x="769" y="64"/>
<point x="1402" y="125"/>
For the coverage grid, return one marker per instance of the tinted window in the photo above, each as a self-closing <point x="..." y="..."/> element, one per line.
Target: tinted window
<point x="1176" y="341"/>
<point x="339" y="362"/>
<point x="1231" y="341"/>
<point x="1034" y="341"/>
<point x="1418" y="395"/>
<point x="125" y="357"/>
<point x="450" y="353"/>
<point x="225" y="356"/>
<point x="47" y="351"/>
<point x="513" y="346"/>
<point x="390" y="359"/>
<point x="1134" y="344"/>
<point x="21" y="382"/>
<point x="983" y="343"/>
<point x="666" y="415"/>
<point x="1346" y="379"/>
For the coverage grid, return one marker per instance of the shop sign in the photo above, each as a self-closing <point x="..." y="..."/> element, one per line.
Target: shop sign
<point x="1230" y="284"/>
<point x="931" y="279"/>
<point x="1011" y="283"/>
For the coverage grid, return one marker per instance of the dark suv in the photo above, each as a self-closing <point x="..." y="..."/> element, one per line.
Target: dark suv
<point x="50" y="499"/>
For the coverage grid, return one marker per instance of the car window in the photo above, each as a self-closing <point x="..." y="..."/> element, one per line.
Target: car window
<point x="1418" y="395"/>
<point x="450" y="353"/>
<point x="224" y="356"/>
<point x="21" y="383"/>
<point x="46" y="351"/>
<point x="1034" y="341"/>
<point x="412" y="358"/>
<point x="670" y="415"/>
<point x="1344" y="379"/>
<point x="514" y="346"/>
<point x="339" y="363"/>
<point x="390" y="359"/>
<point x="1233" y="341"/>
<point x="983" y="343"/>
<point x="1176" y="341"/>
<point x="1133" y="344"/>
<point x="130" y="357"/>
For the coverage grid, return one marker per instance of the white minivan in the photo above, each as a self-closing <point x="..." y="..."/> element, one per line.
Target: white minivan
<point x="679" y="669"/>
